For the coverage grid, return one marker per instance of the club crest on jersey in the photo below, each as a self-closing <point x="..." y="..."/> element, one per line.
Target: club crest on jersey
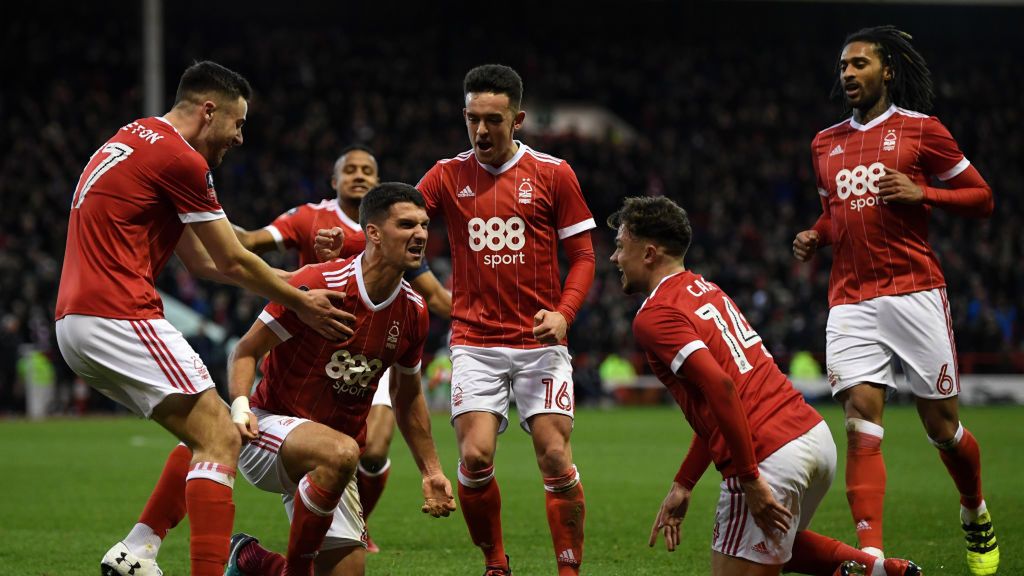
<point x="889" y="141"/>
<point x="525" y="191"/>
<point x="393" y="332"/>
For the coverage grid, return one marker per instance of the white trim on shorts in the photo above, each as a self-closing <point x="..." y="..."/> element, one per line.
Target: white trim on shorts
<point x="137" y="363"/>
<point x="263" y="467"/>
<point x="799" y="474"/>
<point x="484" y="379"/>
<point x="863" y="340"/>
<point x="382" y="397"/>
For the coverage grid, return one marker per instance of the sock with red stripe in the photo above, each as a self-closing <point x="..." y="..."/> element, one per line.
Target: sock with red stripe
<point x="865" y="480"/>
<point x="566" y="511"/>
<point x="962" y="457"/>
<point x="371" y="486"/>
<point x="314" y="512"/>
<point x="165" y="507"/>
<point x="211" y="512"/>
<point x="817" y="554"/>
<point x="480" y="499"/>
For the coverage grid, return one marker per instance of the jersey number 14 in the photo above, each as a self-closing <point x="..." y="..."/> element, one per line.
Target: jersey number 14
<point x="744" y="336"/>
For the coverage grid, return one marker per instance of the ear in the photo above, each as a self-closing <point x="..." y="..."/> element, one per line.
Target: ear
<point x="207" y="110"/>
<point x="517" y="121"/>
<point x="373" y="233"/>
<point x="650" y="253"/>
<point x="887" y="74"/>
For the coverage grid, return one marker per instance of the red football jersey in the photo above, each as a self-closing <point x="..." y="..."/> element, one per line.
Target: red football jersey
<point x="297" y="229"/>
<point x="881" y="249"/>
<point x="129" y="209"/>
<point x="503" y="226"/>
<point x="333" y="382"/>
<point x="686" y="313"/>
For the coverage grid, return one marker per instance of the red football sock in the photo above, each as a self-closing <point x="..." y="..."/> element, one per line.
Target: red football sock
<point x="865" y="480"/>
<point x="255" y="559"/>
<point x="371" y="486"/>
<point x="566" y="512"/>
<point x="820" y="555"/>
<point x="480" y="499"/>
<point x="166" y="505"/>
<point x="962" y="457"/>
<point x="312" y="517"/>
<point x="211" y="513"/>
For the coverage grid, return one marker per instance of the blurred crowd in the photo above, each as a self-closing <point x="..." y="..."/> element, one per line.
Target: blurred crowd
<point x="723" y="115"/>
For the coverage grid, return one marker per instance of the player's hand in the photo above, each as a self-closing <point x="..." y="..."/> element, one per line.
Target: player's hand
<point x="670" y="517"/>
<point x="327" y="243"/>
<point x="805" y="245"/>
<point x="245" y="421"/>
<point x="770" y="516"/>
<point x="896" y="187"/>
<point x="437" y="495"/>
<point x="321" y="314"/>
<point x="549" y="327"/>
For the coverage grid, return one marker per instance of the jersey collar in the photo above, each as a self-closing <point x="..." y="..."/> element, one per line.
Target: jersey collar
<point x="511" y="162"/>
<point x="366" y="297"/>
<point x="881" y="118"/>
<point x="344" y="217"/>
<point x="168" y="122"/>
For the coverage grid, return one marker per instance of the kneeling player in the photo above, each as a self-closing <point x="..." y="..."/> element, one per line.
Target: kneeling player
<point x="307" y="424"/>
<point x="775" y="453"/>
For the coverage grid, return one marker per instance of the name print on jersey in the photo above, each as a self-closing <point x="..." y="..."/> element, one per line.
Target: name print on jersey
<point x="497" y="234"/>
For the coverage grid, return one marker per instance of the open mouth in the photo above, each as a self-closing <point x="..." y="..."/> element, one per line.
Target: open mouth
<point x="484" y="146"/>
<point x="852" y="89"/>
<point x="416" y="251"/>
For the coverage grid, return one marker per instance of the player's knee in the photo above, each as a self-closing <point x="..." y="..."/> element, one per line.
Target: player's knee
<point x="553" y="461"/>
<point x="373" y="462"/>
<point x="475" y="460"/>
<point x="341" y="456"/>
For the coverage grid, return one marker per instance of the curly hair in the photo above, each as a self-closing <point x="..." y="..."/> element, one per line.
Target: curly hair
<point x="657" y="219"/>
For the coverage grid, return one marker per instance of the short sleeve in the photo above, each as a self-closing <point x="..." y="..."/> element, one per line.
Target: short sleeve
<point x="667" y="335"/>
<point x="283" y="321"/>
<point x="432" y="187"/>
<point x="571" y="211"/>
<point x="286" y="228"/>
<point x="940" y="155"/>
<point x="412" y="360"/>
<point x="188" y="183"/>
<point x="820" y="184"/>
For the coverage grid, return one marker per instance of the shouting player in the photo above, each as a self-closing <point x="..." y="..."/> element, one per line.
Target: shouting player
<point x="146" y="193"/>
<point x="775" y="453"/>
<point x="886" y="292"/>
<point x="355" y="173"/>
<point x="307" y="423"/>
<point x="507" y="206"/>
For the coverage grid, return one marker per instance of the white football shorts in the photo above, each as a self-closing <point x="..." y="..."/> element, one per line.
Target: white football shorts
<point x="263" y="468"/>
<point x="800" y="474"/>
<point x="136" y="363"/>
<point x="862" y="340"/>
<point x="382" y="397"/>
<point x="540" y="378"/>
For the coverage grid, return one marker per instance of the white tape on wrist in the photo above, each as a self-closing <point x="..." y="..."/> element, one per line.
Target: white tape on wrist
<point x="240" y="410"/>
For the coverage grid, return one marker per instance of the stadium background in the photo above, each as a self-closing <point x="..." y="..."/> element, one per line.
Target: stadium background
<point x="711" y="103"/>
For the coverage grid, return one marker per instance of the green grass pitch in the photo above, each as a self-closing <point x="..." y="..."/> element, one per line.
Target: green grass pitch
<point x="74" y="487"/>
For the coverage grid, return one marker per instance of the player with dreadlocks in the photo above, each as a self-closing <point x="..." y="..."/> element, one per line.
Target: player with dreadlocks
<point x="876" y="174"/>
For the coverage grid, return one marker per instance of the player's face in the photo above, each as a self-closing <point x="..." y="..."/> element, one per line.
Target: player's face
<point x="225" y="130"/>
<point x="404" y="235"/>
<point x="862" y="74"/>
<point x="355" y="174"/>
<point x="492" y="123"/>
<point x="629" y="259"/>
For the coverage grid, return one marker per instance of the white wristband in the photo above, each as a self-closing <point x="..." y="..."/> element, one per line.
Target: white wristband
<point x="240" y="410"/>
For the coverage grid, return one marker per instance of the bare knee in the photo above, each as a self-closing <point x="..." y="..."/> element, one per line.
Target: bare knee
<point x="337" y="462"/>
<point x="864" y="402"/>
<point x="375" y="456"/>
<point x="476" y="458"/>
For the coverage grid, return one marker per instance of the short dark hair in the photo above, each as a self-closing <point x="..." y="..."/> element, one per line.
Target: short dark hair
<point x="378" y="201"/>
<point x="657" y="219"/>
<point x="497" y="79"/>
<point x="352" y="148"/>
<point x="205" y="77"/>
<point x="911" y="84"/>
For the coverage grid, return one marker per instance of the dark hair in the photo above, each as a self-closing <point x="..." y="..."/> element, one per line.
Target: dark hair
<point x="352" y="148"/>
<point x="497" y="79"/>
<point x="206" y="77"/>
<point x="911" y="83"/>
<point x="378" y="201"/>
<point x="657" y="219"/>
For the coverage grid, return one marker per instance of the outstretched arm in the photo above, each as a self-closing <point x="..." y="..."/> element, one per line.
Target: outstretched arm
<point x="414" y="422"/>
<point x="439" y="299"/>
<point x="256" y="241"/>
<point x="256" y="343"/>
